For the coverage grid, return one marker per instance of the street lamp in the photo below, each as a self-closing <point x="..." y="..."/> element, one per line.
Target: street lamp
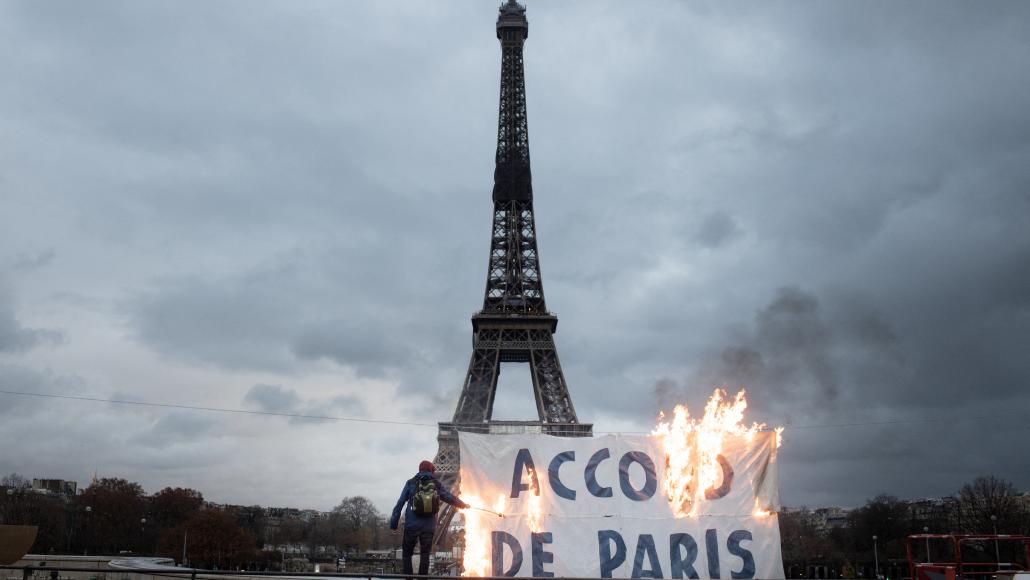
<point x="876" y="557"/>
<point x="997" y="553"/>
<point x="926" y="530"/>
<point x="143" y="534"/>
<point x="89" y="529"/>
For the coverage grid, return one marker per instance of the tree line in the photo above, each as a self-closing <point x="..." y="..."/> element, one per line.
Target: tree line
<point x="114" y="516"/>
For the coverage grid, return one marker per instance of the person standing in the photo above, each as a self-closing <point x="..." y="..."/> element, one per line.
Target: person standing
<point x="422" y="495"/>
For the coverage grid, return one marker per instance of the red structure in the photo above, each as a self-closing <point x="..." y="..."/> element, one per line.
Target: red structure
<point x="966" y="556"/>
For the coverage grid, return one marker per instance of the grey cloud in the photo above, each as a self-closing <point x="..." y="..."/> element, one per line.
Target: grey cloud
<point x="34" y="261"/>
<point x="228" y="325"/>
<point x="278" y="316"/>
<point x="364" y="348"/>
<point x="347" y="403"/>
<point x="272" y="398"/>
<point x="716" y="230"/>
<point x="16" y="337"/>
<point x="177" y="428"/>
<point x="278" y="399"/>
<point x="392" y="445"/>
<point x="111" y="439"/>
<point x="22" y="379"/>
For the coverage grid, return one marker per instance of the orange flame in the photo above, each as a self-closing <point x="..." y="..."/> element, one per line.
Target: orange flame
<point x="534" y="504"/>
<point x="693" y="449"/>
<point x="760" y="512"/>
<point x="476" y="556"/>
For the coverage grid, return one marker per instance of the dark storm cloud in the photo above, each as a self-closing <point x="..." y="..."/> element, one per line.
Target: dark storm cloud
<point x="276" y="317"/>
<point x="878" y="184"/>
<point x="791" y="350"/>
<point x="799" y="359"/>
<point x="823" y="203"/>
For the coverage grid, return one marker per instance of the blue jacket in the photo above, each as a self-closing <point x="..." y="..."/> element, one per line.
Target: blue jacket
<point x="413" y="521"/>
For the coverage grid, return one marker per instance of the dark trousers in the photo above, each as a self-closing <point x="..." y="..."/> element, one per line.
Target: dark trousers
<point x="425" y="547"/>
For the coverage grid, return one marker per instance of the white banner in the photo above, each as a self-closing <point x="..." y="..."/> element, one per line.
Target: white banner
<point x="598" y="507"/>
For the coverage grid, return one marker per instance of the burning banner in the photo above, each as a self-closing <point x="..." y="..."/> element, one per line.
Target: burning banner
<point x="695" y="499"/>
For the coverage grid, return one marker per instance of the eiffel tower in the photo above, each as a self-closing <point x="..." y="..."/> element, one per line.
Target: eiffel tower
<point x="514" y="325"/>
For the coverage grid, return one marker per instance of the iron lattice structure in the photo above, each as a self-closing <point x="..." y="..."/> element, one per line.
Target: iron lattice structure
<point x="514" y="324"/>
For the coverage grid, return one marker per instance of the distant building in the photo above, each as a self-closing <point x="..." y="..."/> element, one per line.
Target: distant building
<point x="829" y="518"/>
<point x="298" y="549"/>
<point x="58" y="487"/>
<point x="936" y="513"/>
<point x="1023" y="500"/>
<point x="276" y="517"/>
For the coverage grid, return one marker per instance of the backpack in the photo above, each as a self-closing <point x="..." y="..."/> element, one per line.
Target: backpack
<point x="426" y="499"/>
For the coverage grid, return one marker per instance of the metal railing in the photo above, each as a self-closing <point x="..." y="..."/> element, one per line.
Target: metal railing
<point x="195" y="573"/>
<point x="518" y="427"/>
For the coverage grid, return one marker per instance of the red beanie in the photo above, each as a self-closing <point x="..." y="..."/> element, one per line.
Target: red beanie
<point x="427" y="465"/>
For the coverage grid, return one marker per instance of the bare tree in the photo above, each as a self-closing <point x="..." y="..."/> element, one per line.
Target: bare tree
<point x="990" y="503"/>
<point x="16" y="481"/>
<point x="356" y="523"/>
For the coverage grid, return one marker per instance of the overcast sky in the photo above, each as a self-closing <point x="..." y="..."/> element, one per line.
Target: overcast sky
<point x="285" y="206"/>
